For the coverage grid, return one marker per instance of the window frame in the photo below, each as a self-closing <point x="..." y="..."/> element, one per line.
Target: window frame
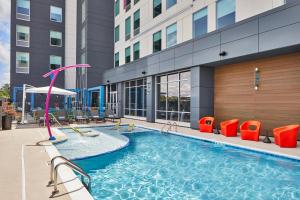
<point x="20" y="41"/>
<point x="128" y="20"/>
<point x="193" y="24"/>
<point x="50" y="61"/>
<point x="22" y="16"/>
<point x="136" y="30"/>
<point x="171" y="5"/>
<point x="51" y="6"/>
<point x="61" y="40"/>
<point x="117" y="28"/>
<point x="217" y="18"/>
<point x="158" y="32"/>
<point x="154" y="15"/>
<point x="139" y="50"/>
<point x="117" y="53"/>
<point x="28" y="71"/>
<point x="174" y="24"/>
<point x="129" y="50"/>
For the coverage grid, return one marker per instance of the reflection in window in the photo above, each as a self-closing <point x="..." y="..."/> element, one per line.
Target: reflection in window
<point x="117" y="59"/>
<point x="135" y="98"/>
<point x="55" y="14"/>
<point x="225" y="13"/>
<point x="55" y="38"/>
<point x="174" y="97"/>
<point x="22" y="62"/>
<point x="127" y="28"/>
<point x="156" y="8"/>
<point x="127" y="55"/>
<point x="157" y="41"/>
<point x="171" y="35"/>
<point x="23" y="9"/>
<point x="170" y="3"/>
<point x="23" y="36"/>
<point x="55" y="62"/>
<point x="200" y="22"/>
<point x="136" y="51"/>
<point x="117" y="33"/>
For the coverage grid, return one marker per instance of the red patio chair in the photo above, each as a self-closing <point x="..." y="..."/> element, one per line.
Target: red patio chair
<point x="247" y="133"/>
<point x="286" y="136"/>
<point x="229" y="128"/>
<point x="206" y="124"/>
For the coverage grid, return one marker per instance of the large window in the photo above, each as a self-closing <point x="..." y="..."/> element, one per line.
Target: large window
<point x="117" y="59"/>
<point x="170" y="3"/>
<point x="156" y="8"/>
<point x="136" y="51"/>
<point x="225" y="13"/>
<point x="22" y="62"/>
<point x="127" y="5"/>
<point x="55" y="38"/>
<point x="127" y="55"/>
<point x="174" y="97"/>
<point x="55" y="62"/>
<point x="23" y="36"/>
<point x="23" y="9"/>
<point x="171" y="35"/>
<point x="136" y="22"/>
<point x="157" y="41"/>
<point x="127" y="28"/>
<point x="117" y="7"/>
<point x="135" y="98"/>
<point x="117" y="33"/>
<point x="55" y="14"/>
<point x="200" y="22"/>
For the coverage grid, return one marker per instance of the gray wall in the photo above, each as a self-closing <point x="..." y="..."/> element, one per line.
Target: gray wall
<point x="100" y="38"/>
<point x="40" y="49"/>
<point x="274" y="32"/>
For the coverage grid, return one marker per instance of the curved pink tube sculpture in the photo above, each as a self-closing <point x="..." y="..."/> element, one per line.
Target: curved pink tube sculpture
<point x="55" y="72"/>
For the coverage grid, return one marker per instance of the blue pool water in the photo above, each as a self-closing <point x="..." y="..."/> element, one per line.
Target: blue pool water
<point x="164" y="166"/>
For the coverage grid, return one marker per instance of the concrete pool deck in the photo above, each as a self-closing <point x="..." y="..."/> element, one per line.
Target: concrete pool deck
<point x="24" y="166"/>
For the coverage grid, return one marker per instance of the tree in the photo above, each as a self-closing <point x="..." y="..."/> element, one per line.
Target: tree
<point x="5" y="91"/>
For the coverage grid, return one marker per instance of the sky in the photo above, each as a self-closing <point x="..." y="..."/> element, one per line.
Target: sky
<point x="4" y="41"/>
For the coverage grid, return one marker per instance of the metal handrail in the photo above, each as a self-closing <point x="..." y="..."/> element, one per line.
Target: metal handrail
<point x="175" y="125"/>
<point x="167" y="124"/>
<point x="73" y="166"/>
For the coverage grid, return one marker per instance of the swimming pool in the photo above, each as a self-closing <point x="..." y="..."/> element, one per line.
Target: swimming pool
<point x="166" y="166"/>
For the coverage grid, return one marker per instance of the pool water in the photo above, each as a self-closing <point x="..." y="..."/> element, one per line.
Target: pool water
<point x="165" y="166"/>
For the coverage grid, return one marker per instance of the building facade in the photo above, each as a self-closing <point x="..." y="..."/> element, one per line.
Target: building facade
<point x="53" y="33"/>
<point x="182" y="60"/>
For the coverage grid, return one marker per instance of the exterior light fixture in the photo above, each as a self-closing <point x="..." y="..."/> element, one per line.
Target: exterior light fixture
<point x="223" y="53"/>
<point x="257" y="79"/>
<point x="143" y="72"/>
<point x="107" y="81"/>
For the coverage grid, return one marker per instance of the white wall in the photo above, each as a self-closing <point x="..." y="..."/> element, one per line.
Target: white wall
<point x="182" y="13"/>
<point x="70" y="42"/>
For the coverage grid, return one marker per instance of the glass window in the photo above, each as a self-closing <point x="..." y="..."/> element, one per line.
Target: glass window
<point x="200" y="22"/>
<point x="225" y="13"/>
<point x="117" y="33"/>
<point x="117" y="7"/>
<point x="83" y="38"/>
<point x="23" y="35"/>
<point x="136" y="1"/>
<point x="117" y="59"/>
<point x="83" y="11"/>
<point x="127" y="5"/>
<point x="23" y="8"/>
<point x="55" y="14"/>
<point x="157" y="41"/>
<point x="171" y="35"/>
<point x="170" y="3"/>
<point x="174" y="97"/>
<point x="135" y="98"/>
<point x="136" y="51"/>
<point x="156" y="8"/>
<point x="55" y="38"/>
<point x="55" y="62"/>
<point x="127" y="55"/>
<point x="127" y="28"/>
<point x="22" y="62"/>
<point x="136" y="22"/>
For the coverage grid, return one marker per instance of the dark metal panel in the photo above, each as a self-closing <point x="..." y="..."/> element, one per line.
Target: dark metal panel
<point x="209" y="41"/>
<point x="184" y="61"/>
<point x="206" y="56"/>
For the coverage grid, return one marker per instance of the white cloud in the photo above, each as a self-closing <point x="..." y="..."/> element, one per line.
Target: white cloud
<point x="4" y="10"/>
<point x="4" y="54"/>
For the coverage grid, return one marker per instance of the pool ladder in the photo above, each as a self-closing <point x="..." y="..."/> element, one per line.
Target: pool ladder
<point x="170" y="126"/>
<point x="73" y="166"/>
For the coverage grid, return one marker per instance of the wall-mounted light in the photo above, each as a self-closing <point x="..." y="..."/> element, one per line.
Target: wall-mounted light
<point x="107" y="81"/>
<point x="143" y="72"/>
<point x="257" y="79"/>
<point x="223" y="53"/>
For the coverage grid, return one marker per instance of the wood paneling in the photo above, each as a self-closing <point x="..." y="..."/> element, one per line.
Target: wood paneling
<point x="276" y="103"/>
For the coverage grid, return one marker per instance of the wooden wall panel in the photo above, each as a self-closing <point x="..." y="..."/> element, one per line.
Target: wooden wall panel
<point x="276" y="103"/>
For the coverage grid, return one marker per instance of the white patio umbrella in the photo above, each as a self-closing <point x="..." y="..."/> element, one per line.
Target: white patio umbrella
<point x="42" y="90"/>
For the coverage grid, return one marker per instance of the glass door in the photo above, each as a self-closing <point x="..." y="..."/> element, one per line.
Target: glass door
<point x="114" y="102"/>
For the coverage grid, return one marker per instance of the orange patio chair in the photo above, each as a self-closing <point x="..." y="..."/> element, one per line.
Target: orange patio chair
<point x="249" y="134"/>
<point x="286" y="136"/>
<point x="229" y="128"/>
<point x="206" y="124"/>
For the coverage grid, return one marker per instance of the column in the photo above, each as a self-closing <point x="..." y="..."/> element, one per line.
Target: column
<point x="150" y="99"/>
<point x="202" y="98"/>
<point x="120" y="97"/>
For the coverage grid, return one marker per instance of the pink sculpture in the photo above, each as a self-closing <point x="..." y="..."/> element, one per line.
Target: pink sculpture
<point x="55" y="72"/>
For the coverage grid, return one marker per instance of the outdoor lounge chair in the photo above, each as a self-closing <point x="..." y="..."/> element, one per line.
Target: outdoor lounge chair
<point x="109" y="114"/>
<point x="95" y="116"/>
<point x="286" y="136"/>
<point x="206" y="124"/>
<point x="61" y="116"/>
<point x="229" y="128"/>
<point x="80" y="117"/>
<point x="250" y="134"/>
